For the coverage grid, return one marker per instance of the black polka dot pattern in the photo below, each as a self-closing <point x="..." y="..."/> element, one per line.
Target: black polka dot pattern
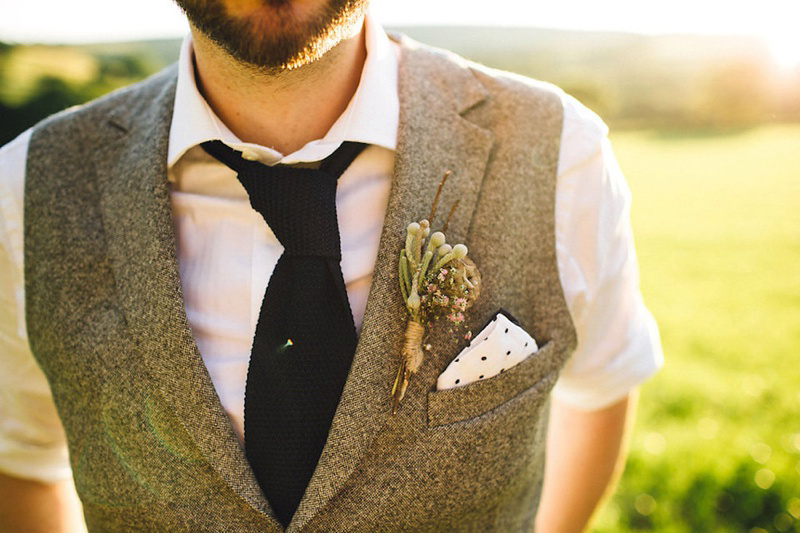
<point x="500" y="346"/>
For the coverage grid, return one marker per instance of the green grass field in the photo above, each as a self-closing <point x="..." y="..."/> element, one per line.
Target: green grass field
<point x="717" y="441"/>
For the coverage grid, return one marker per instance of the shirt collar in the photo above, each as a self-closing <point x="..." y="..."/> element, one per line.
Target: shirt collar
<point x="371" y="116"/>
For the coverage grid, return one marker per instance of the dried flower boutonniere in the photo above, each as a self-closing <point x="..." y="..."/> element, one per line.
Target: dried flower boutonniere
<point x="436" y="279"/>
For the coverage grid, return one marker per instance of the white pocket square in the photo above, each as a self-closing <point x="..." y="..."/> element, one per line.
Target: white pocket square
<point x="498" y="347"/>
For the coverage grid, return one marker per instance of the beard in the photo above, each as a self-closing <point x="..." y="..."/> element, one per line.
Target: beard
<point x="278" y="36"/>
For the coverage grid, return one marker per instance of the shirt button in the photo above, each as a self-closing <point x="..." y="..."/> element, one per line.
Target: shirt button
<point x="250" y="155"/>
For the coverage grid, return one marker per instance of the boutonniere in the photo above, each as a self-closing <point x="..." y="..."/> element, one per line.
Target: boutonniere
<point x="437" y="279"/>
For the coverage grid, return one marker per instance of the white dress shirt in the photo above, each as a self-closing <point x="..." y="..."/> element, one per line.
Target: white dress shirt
<point x="227" y="253"/>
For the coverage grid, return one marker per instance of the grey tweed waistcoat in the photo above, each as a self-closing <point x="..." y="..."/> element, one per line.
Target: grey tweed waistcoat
<point x="150" y="445"/>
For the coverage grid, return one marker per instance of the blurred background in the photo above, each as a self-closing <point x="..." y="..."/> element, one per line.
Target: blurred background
<point x="703" y="101"/>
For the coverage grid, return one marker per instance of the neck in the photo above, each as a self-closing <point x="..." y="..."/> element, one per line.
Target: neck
<point x="282" y="110"/>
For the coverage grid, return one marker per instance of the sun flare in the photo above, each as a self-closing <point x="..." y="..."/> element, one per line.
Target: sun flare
<point x="784" y="47"/>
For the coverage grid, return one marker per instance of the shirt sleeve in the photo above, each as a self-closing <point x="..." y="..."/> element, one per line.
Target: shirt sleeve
<point x="32" y="440"/>
<point x="618" y="340"/>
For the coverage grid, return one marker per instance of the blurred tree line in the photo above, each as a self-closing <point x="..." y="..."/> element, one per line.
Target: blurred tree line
<point x="37" y="81"/>
<point x="632" y="81"/>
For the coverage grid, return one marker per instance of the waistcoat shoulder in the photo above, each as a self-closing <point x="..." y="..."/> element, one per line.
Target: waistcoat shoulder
<point x="84" y="124"/>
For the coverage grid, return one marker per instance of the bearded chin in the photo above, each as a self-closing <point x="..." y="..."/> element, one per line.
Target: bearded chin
<point x="261" y="45"/>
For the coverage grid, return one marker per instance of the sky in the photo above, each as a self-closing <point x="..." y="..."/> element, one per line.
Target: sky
<point x="80" y="21"/>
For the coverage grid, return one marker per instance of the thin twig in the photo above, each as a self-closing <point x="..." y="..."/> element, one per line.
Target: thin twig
<point x="436" y="198"/>
<point x="450" y="215"/>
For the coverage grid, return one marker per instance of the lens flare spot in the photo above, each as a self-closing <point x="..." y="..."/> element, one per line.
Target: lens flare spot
<point x="655" y="443"/>
<point x="764" y="478"/>
<point x="760" y="452"/>
<point x="794" y="507"/>
<point x="644" y="504"/>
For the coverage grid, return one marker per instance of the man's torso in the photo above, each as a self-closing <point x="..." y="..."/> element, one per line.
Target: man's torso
<point x="476" y="451"/>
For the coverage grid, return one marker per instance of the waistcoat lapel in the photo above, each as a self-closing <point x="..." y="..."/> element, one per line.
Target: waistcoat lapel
<point x="137" y="216"/>
<point x="433" y="137"/>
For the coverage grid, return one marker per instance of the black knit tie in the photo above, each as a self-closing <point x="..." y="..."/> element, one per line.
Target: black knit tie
<point x="305" y="337"/>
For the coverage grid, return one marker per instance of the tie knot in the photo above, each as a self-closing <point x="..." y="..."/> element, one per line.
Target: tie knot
<point x="298" y="204"/>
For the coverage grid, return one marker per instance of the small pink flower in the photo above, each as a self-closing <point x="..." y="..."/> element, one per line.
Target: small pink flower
<point x="456" y="318"/>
